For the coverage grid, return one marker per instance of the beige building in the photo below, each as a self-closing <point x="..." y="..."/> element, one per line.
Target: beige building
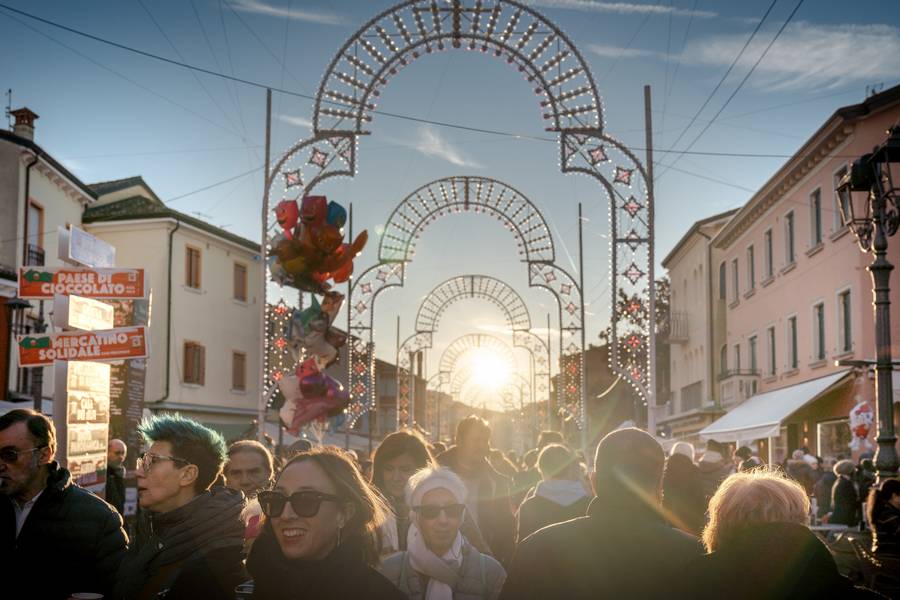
<point x="204" y="324"/>
<point x="695" y="326"/>
<point x="37" y="195"/>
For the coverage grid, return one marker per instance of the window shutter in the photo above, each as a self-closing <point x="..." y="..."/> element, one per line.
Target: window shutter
<point x="201" y="356"/>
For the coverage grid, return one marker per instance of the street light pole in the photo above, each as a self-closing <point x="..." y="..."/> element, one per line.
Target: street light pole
<point x="872" y="214"/>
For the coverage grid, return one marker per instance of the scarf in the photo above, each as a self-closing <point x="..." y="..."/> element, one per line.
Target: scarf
<point x="563" y="492"/>
<point x="443" y="572"/>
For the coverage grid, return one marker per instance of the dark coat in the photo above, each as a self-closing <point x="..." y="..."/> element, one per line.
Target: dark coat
<point x="538" y="511"/>
<point x="773" y="561"/>
<point x="886" y="531"/>
<point x="620" y="549"/>
<point x="822" y="491"/>
<point x="72" y="541"/>
<point x="115" y="487"/>
<point x="496" y="519"/>
<point x="683" y="495"/>
<point x="800" y="471"/>
<point x="844" y="503"/>
<point x="342" y="574"/>
<point x="712" y="474"/>
<point x="194" y="551"/>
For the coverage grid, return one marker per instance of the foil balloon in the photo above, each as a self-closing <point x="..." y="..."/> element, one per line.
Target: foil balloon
<point x="287" y="214"/>
<point x="861" y="418"/>
<point x="309" y="395"/>
<point x="311" y="331"/>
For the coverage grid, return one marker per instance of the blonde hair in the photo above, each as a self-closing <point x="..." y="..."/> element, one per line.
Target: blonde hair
<point x="752" y="498"/>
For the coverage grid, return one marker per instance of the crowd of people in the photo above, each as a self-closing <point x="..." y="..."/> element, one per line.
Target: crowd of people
<point x="427" y="522"/>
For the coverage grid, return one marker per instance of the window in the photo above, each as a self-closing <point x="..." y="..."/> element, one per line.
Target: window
<point x="239" y="371"/>
<point x="789" y="256"/>
<point x="768" y="251"/>
<point x="839" y="200"/>
<point x="833" y="437"/>
<point x="815" y="218"/>
<point x="845" y="328"/>
<point x="819" y="331"/>
<point x="194" y="363"/>
<point x="240" y="282"/>
<point x="792" y="342"/>
<point x="754" y="366"/>
<point x="35" y="225"/>
<point x="751" y="269"/>
<point x="734" y="278"/>
<point x="192" y="267"/>
<point x="737" y="357"/>
<point x="770" y="334"/>
<point x="723" y="285"/>
<point x="723" y="360"/>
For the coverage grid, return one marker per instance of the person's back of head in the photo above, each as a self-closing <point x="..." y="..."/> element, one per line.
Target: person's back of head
<point x="548" y="437"/>
<point x="529" y="459"/>
<point x="556" y="462"/>
<point x="684" y="448"/>
<point x="743" y="453"/>
<point x="628" y="468"/>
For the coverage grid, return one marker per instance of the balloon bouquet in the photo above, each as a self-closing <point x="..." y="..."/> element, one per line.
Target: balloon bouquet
<point x="308" y="253"/>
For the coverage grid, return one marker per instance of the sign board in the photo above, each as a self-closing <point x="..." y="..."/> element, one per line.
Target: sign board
<point x="76" y="312"/>
<point x="43" y="283"/>
<point x="81" y="415"/>
<point x="80" y="247"/>
<point x="39" y="350"/>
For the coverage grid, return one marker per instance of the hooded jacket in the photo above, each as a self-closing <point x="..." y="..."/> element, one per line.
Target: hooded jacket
<point x="552" y="501"/>
<point x="194" y="551"/>
<point x="70" y="534"/>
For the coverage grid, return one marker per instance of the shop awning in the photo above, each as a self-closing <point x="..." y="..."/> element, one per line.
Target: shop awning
<point x="761" y="416"/>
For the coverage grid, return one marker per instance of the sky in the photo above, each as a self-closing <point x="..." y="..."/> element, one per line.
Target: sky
<point x="197" y="139"/>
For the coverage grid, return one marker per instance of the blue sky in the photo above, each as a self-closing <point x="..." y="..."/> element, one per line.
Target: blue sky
<point x="108" y="114"/>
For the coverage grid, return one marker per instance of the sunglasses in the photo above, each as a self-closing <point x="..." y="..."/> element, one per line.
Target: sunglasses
<point x="304" y="504"/>
<point x="431" y="511"/>
<point x="11" y="455"/>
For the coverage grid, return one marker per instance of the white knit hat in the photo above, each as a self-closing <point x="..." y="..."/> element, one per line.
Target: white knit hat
<point x="428" y="479"/>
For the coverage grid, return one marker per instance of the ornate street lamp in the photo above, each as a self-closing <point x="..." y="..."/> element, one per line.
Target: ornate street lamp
<point x="870" y="206"/>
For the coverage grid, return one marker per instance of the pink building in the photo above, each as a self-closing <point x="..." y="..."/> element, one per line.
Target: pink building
<point x="796" y="295"/>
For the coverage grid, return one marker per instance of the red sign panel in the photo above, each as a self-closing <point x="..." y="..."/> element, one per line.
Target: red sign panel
<point x="106" y="345"/>
<point x="42" y="283"/>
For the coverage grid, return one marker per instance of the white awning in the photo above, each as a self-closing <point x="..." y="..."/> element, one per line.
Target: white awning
<point x="761" y="416"/>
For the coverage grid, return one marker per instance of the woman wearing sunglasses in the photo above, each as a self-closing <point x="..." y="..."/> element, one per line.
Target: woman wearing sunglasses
<point x="317" y="539"/>
<point x="439" y="563"/>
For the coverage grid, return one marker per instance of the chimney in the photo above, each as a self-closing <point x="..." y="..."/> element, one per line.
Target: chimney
<point x="24" y="126"/>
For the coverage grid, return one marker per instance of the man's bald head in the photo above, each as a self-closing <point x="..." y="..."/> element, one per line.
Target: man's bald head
<point x="116" y="452"/>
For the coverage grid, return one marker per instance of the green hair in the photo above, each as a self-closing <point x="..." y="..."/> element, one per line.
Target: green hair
<point x="195" y="443"/>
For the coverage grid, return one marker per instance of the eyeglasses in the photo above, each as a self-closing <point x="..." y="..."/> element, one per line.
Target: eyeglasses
<point x="431" y="511"/>
<point x="304" y="504"/>
<point x="11" y="455"/>
<point x="146" y="461"/>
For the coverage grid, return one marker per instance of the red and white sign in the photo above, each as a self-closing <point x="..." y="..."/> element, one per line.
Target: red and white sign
<point x="99" y="346"/>
<point x="42" y="283"/>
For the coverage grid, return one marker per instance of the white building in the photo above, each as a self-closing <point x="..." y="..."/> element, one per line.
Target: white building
<point x="204" y="325"/>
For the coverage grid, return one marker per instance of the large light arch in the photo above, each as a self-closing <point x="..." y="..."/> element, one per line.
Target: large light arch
<point x="523" y="38"/>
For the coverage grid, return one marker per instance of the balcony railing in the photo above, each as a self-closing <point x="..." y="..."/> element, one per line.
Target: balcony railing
<point x="735" y="386"/>
<point x="34" y="256"/>
<point x="678" y="326"/>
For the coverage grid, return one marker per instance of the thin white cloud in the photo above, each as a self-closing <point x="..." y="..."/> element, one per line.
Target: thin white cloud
<point x="622" y="8"/>
<point x="619" y="52"/>
<point x="298" y="121"/>
<point x="431" y="143"/>
<point x="309" y="15"/>
<point x="808" y="56"/>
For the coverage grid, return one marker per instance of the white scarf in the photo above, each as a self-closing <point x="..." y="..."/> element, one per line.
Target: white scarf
<point x="442" y="572"/>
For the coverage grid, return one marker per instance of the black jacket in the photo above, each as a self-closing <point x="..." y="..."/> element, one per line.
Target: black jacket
<point x="194" y="551"/>
<point x="115" y="487"/>
<point x="72" y="541"/>
<point x="619" y="550"/>
<point x="342" y="574"/>
<point x="496" y="519"/>
<point x="538" y="511"/>
<point x="844" y="503"/>
<point x="773" y="561"/>
<point x="822" y="491"/>
<point x="683" y="495"/>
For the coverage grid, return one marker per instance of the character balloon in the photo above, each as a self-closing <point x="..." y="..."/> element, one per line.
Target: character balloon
<point x="861" y="418"/>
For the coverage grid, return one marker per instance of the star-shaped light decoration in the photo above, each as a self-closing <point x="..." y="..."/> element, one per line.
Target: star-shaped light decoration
<point x="633" y="341"/>
<point x="571" y="308"/>
<point x="632" y="206"/>
<point x="636" y="374"/>
<point x="359" y="389"/>
<point x="633" y="240"/>
<point x="382" y="275"/>
<point x="280" y="343"/>
<point x="366" y="288"/>
<point x="549" y="276"/>
<point x="598" y="155"/>
<point x="572" y="348"/>
<point x="565" y="289"/>
<point x="293" y="178"/>
<point x="623" y="176"/>
<point x="318" y="158"/>
<point x="634" y="306"/>
<point x="633" y="273"/>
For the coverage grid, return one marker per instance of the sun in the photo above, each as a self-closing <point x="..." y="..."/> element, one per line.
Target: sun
<point x="490" y="370"/>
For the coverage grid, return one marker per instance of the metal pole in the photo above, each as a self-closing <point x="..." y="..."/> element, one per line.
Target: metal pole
<point x="583" y="417"/>
<point x="886" y="454"/>
<point x="650" y="384"/>
<point x="263" y="283"/>
<point x="550" y="420"/>
<point x="349" y="293"/>
<point x="397" y="379"/>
